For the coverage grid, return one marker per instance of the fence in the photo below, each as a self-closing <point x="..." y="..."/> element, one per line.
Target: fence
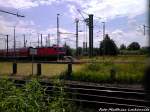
<point x="37" y="68"/>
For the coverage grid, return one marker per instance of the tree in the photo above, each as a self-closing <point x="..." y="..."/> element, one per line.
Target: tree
<point x="68" y="50"/>
<point x="80" y="50"/>
<point x="108" y="46"/>
<point x="134" y="46"/>
<point x="122" y="47"/>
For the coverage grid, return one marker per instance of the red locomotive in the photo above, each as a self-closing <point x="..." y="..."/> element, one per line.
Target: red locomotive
<point x="40" y="53"/>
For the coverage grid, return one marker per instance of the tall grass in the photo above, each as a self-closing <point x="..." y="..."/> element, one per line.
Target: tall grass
<point x="101" y="72"/>
<point x="31" y="98"/>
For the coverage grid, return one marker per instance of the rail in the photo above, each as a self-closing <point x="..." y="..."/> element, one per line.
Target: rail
<point x="105" y="96"/>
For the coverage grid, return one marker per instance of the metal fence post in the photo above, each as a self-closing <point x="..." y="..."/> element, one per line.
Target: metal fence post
<point x="39" y="69"/>
<point x="14" y="68"/>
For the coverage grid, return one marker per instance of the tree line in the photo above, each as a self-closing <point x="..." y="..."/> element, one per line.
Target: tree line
<point x="109" y="47"/>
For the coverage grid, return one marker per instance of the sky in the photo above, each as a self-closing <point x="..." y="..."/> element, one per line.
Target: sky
<point x="124" y="20"/>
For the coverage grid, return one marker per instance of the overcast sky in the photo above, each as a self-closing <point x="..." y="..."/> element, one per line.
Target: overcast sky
<point x="124" y="20"/>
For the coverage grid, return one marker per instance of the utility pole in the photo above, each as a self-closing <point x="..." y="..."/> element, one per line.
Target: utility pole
<point x="148" y="34"/>
<point x="103" y="40"/>
<point x="90" y="35"/>
<point x="46" y="41"/>
<point x="38" y="41"/>
<point x="58" y="33"/>
<point x="14" y="41"/>
<point x="84" y="47"/>
<point x="24" y="40"/>
<point x="86" y="50"/>
<point x="49" y="41"/>
<point x="144" y="29"/>
<point x="7" y="43"/>
<point x="41" y="40"/>
<point x="77" y="24"/>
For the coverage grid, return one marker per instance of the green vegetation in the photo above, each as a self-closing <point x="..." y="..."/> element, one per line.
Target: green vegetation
<point x="32" y="98"/>
<point x="108" y="46"/>
<point x="134" y="46"/>
<point x="119" y="58"/>
<point x="109" y="72"/>
<point x="131" y="72"/>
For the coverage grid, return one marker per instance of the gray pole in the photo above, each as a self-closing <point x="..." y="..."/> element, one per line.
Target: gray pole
<point x="90" y="35"/>
<point x="58" y="34"/>
<point x="38" y="41"/>
<point x="46" y="42"/>
<point x="103" y="40"/>
<point x="24" y="40"/>
<point x="41" y="40"/>
<point x="77" y="24"/>
<point x="144" y="29"/>
<point x="7" y="42"/>
<point x="86" y="50"/>
<point x="49" y="41"/>
<point x="14" y="41"/>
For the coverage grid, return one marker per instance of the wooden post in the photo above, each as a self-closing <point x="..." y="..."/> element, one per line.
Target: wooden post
<point x="14" y="68"/>
<point x="113" y="74"/>
<point x="146" y="82"/>
<point x="39" y="69"/>
<point x="69" y="69"/>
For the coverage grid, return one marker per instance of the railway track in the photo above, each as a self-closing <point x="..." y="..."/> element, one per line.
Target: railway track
<point x="97" y="96"/>
<point x="74" y="62"/>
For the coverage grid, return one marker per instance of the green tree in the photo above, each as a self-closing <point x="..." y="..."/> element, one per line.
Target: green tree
<point x="122" y="47"/>
<point x="108" y="46"/>
<point x="68" y="50"/>
<point x="80" y="51"/>
<point x="134" y="46"/>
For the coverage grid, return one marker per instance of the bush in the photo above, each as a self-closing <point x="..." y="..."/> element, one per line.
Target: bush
<point x="30" y="98"/>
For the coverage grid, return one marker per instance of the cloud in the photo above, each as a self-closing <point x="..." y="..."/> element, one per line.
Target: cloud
<point x="110" y="9"/>
<point x="18" y="3"/>
<point x="121" y="37"/>
<point x="73" y="11"/>
<point x="24" y="4"/>
<point x="106" y="9"/>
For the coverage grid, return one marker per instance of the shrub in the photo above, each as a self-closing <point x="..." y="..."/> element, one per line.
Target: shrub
<point x="31" y="98"/>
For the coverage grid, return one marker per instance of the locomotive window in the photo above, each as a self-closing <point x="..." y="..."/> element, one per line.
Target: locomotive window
<point x="61" y="49"/>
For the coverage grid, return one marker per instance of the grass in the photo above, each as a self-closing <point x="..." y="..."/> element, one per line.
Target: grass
<point x="117" y="58"/>
<point x="31" y="98"/>
<point x="103" y="72"/>
<point x="25" y="69"/>
<point x="124" y="72"/>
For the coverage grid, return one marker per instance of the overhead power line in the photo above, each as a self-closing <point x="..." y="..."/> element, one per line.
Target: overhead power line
<point x="16" y="14"/>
